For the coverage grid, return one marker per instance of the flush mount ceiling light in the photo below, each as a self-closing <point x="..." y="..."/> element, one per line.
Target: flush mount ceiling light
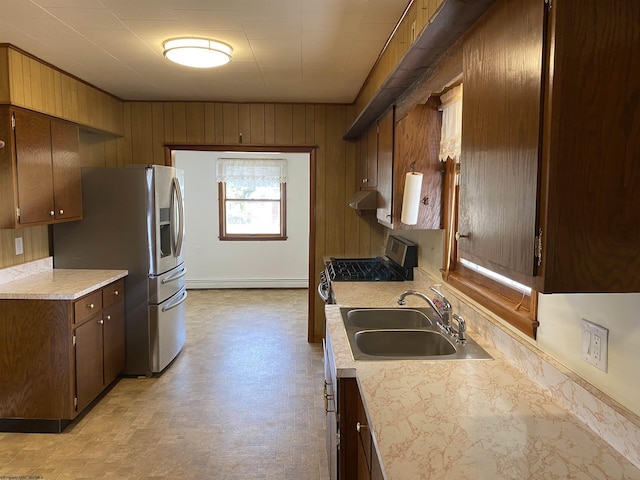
<point x="197" y="52"/>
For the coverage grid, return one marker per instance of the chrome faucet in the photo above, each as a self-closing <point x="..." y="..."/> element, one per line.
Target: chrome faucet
<point x="443" y="314"/>
<point x="445" y="309"/>
<point x="442" y="308"/>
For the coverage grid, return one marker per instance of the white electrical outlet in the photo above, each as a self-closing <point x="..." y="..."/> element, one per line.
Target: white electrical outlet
<point x="595" y="340"/>
<point x="19" y="246"/>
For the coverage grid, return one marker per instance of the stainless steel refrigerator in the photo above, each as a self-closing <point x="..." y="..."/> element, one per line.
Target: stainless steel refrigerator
<point x="133" y="219"/>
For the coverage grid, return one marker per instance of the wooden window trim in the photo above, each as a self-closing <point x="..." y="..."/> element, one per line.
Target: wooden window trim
<point x="224" y="236"/>
<point x="516" y="308"/>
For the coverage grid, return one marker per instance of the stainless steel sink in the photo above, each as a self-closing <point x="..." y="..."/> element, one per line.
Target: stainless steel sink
<point x="403" y="334"/>
<point x="403" y="343"/>
<point x="388" y="318"/>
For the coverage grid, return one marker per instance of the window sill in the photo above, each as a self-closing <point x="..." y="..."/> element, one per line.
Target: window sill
<point x="252" y="238"/>
<point x="513" y="313"/>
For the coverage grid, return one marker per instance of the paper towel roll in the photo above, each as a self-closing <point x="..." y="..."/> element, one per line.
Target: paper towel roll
<point x="411" y="198"/>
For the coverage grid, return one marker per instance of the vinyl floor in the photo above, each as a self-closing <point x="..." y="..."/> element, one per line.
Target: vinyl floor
<point x="242" y="401"/>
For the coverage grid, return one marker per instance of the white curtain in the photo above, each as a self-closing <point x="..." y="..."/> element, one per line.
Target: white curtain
<point x="451" y="136"/>
<point x="252" y="172"/>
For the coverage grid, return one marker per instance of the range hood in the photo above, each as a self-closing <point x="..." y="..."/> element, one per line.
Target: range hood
<point x="364" y="200"/>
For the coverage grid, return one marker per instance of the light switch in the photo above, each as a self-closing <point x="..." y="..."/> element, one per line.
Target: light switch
<point x="595" y="339"/>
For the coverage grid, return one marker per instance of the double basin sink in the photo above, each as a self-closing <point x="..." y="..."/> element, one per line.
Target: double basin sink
<point x="403" y="334"/>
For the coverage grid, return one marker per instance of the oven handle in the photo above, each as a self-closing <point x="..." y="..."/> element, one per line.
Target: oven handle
<point x="324" y="293"/>
<point x="173" y="305"/>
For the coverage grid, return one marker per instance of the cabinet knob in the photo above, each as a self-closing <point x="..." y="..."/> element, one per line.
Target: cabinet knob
<point x="61" y="212"/>
<point x="91" y="306"/>
<point x="365" y="180"/>
<point x="52" y="213"/>
<point x="116" y="293"/>
<point x="108" y="317"/>
<point x="101" y="322"/>
<point x="360" y="426"/>
<point x="460" y="235"/>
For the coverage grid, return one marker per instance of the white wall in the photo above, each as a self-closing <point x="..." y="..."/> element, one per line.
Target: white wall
<point x="243" y="264"/>
<point x="559" y="332"/>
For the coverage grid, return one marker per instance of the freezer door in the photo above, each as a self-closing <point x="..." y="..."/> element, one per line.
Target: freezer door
<point x="167" y="330"/>
<point x="166" y="285"/>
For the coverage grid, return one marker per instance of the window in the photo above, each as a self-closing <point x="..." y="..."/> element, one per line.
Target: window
<point x="252" y="198"/>
<point x="512" y="301"/>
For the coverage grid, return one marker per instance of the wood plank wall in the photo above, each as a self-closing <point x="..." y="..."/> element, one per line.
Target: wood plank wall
<point x="28" y="82"/>
<point x="339" y="230"/>
<point x="419" y="14"/>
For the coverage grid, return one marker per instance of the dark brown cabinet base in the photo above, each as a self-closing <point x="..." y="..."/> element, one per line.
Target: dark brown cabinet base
<point x="57" y="357"/>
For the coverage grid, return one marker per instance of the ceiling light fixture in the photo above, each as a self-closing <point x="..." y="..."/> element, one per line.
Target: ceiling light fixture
<point x="197" y="52"/>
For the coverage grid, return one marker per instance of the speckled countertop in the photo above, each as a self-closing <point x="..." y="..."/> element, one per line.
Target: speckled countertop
<point x="38" y="281"/>
<point x="465" y="419"/>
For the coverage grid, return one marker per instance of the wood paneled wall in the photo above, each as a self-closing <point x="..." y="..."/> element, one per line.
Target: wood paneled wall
<point x="28" y="82"/>
<point x="35" y="242"/>
<point x="417" y="18"/>
<point x="338" y="228"/>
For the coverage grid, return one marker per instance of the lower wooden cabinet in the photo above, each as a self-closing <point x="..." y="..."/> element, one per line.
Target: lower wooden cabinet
<point x="57" y="356"/>
<point x="358" y="456"/>
<point x="350" y="449"/>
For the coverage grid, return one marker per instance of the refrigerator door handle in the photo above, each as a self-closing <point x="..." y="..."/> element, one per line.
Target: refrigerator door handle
<point x="174" y="304"/>
<point x="176" y="196"/>
<point x="174" y="277"/>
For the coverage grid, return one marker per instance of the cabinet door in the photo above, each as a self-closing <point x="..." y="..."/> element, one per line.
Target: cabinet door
<point x="370" y="179"/>
<point x="66" y="170"/>
<point x="417" y="142"/>
<point x="114" y="345"/>
<point x="385" y="169"/>
<point x="500" y="138"/>
<point x="330" y="410"/>
<point x="33" y="159"/>
<point x="592" y="148"/>
<point x="364" y="441"/>
<point x="89" y="361"/>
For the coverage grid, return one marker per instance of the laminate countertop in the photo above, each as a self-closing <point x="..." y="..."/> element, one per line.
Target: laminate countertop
<point x="465" y="419"/>
<point x="58" y="284"/>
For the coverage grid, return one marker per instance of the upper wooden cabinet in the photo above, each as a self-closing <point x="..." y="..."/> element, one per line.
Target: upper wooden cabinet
<point x="39" y="170"/>
<point x="414" y="139"/>
<point x="550" y="144"/>
<point x="417" y="142"/>
<point x="384" y="212"/>
<point x="368" y="162"/>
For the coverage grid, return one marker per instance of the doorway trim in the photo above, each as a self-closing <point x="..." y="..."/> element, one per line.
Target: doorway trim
<point x="169" y="159"/>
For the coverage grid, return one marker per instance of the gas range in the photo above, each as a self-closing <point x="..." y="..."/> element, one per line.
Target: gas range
<point x="363" y="270"/>
<point x="401" y="256"/>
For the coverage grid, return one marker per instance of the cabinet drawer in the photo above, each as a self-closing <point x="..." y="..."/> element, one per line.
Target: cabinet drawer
<point x="87" y="307"/>
<point x="112" y="293"/>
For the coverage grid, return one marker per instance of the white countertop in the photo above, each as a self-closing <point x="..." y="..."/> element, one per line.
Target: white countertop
<point x="465" y="419"/>
<point x="58" y="284"/>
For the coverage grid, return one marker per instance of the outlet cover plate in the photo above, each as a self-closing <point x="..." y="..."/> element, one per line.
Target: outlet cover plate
<point x="595" y="344"/>
<point x="19" y="246"/>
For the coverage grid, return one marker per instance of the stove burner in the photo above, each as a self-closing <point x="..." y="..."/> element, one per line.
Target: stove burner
<point x="362" y="269"/>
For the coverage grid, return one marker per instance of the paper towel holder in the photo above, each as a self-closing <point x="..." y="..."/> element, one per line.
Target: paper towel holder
<point x="411" y="197"/>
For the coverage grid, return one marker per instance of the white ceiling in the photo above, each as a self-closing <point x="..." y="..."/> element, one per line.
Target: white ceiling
<point x="284" y="50"/>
